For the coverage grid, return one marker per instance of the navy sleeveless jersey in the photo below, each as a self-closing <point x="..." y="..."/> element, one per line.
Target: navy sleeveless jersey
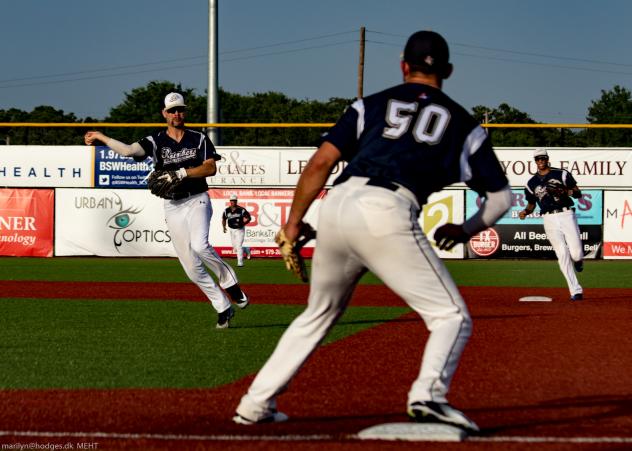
<point x="235" y="219"/>
<point x="191" y="151"/>
<point x="536" y="193"/>
<point x="415" y="135"/>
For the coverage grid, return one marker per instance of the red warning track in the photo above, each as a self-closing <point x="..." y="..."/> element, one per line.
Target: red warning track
<point x="541" y="369"/>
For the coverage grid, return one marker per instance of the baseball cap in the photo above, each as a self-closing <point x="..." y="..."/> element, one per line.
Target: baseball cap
<point x="540" y="152"/>
<point x="174" y="99"/>
<point x="233" y="197"/>
<point x="427" y="50"/>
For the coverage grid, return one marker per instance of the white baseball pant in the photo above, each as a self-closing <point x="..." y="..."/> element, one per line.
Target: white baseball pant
<point x="188" y="222"/>
<point x="360" y="227"/>
<point x="237" y="240"/>
<point x="563" y="233"/>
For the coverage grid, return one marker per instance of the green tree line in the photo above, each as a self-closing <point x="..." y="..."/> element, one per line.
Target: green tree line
<point x="142" y="105"/>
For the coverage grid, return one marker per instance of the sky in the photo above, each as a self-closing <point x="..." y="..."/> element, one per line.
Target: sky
<point x="550" y="58"/>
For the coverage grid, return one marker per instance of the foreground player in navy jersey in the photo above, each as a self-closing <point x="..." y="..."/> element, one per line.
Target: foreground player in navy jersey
<point x="188" y="211"/>
<point x="402" y="144"/>
<point x="551" y="189"/>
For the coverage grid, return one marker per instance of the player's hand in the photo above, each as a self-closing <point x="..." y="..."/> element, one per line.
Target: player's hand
<point x="449" y="235"/>
<point x="224" y="229"/>
<point x="522" y="214"/>
<point x="90" y="137"/>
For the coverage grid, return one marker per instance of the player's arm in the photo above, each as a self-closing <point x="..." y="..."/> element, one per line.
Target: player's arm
<point x="527" y="211"/>
<point x="246" y="217"/>
<point x="206" y="169"/>
<point x="483" y="173"/>
<point x="224" y="221"/>
<point x="310" y="183"/>
<point x="575" y="192"/>
<point x="495" y="205"/>
<point x="125" y="150"/>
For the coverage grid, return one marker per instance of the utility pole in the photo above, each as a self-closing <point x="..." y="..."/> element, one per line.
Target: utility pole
<point x="212" y="102"/>
<point x="361" y="65"/>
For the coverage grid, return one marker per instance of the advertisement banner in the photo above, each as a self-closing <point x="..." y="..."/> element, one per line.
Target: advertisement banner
<point x="617" y="225"/>
<point x="26" y="222"/>
<point x="269" y="209"/>
<point x="114" y="171"/>
<point x="588" y="209"/>
<point x="441" y="208"/>
<point x="46" y="166"/>
<point x="527" y="241"/>
<point x="512" y="237"/>
<point x="110" y="223"/>
<point x="264" y="167"/>
<point x="591" y="167"/>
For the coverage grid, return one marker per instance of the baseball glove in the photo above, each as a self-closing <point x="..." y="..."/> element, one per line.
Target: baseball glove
<point x="291" y="250"/>
<point x="556" y="189"/>
<point x="163" y="183"/>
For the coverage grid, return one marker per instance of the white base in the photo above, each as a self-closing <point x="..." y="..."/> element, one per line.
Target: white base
<point x="535" y="299"/>
<point x="414" y="432"/>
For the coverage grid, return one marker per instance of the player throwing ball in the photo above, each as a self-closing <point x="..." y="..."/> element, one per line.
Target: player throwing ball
<point x="402" y="145"/>
<point x="551" y="189"/>
<point x="236" y="217"/>
<point x="186" y="157"/>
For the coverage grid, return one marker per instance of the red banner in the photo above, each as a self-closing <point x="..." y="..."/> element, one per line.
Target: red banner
<point x="617" y="249"/>
<point x="26" y="222"/>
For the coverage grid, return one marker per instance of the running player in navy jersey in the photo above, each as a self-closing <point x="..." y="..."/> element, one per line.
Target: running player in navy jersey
<point x="402" y="145"/>
<point x="551" y="189"/>
<point x="188" y="212"/>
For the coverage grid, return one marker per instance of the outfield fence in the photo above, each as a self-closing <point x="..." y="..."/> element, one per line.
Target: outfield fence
<point x="85" y="200"/>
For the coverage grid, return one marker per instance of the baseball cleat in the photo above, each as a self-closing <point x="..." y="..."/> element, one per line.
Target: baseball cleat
<point x="577" y="297"/>
<point x="243" y="301"/>
<point x="223" y="318"/>
<point x="273" y="417"/>
<point x="434" y="412"/>
<point x="579" y="266"/>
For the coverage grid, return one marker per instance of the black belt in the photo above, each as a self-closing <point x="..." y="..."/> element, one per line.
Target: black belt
<point x="180" y="196"/>
<point x="559" y="210"/>
<point x="373" y="181"/>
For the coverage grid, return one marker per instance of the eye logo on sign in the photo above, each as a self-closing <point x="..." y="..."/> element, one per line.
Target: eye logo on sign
<point x="120" y="222"/>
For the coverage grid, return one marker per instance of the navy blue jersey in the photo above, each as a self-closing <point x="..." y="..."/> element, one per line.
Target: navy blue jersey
<point x="236" y="218"/>
<point x="192" y="150"/>
<point x="536" y="193"/>
<point x="415" y="135"/>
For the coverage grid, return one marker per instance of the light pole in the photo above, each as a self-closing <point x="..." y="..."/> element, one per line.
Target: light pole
<point x="212" y="103"/>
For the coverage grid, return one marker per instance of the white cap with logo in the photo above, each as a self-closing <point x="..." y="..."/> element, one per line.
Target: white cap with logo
<point x="174" y="99"/>
<point x="233" y="197"/>
<point x="540" y="152"/>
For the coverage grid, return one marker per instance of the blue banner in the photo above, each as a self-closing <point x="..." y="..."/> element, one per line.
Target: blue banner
<point x="588" y="209"/>
<point x="114" y="171"/>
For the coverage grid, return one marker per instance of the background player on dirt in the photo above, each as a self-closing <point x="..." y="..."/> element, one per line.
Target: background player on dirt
<point x="236" y="217"/>
<point x="551" y="189"/>
<point x="191" y="156"/>
<point x="402" y="145"/>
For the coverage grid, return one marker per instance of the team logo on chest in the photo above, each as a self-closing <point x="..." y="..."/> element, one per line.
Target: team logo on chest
<point x="170" y="155"/>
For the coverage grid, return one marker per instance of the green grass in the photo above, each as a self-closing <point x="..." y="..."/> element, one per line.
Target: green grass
<point x="115" y="344"/>
<point x="537" y="273"/>
<point x="61" y="343"/>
